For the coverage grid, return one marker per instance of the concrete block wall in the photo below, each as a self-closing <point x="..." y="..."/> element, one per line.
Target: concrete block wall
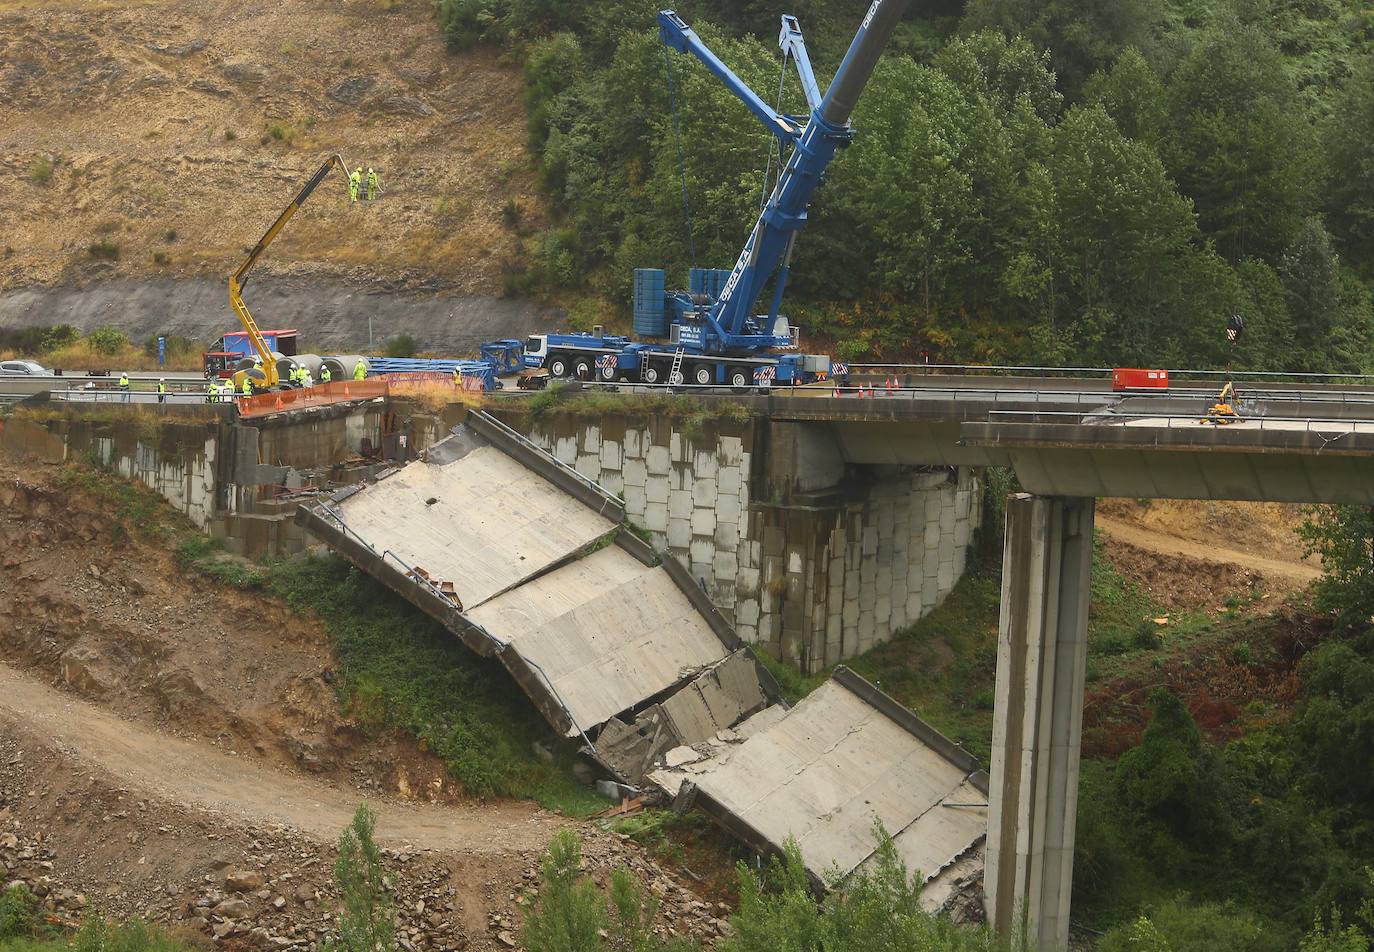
<point x="176" y="460"/>
<point x="185" y="478"/>
<point x="816" y="580"/>
<point x="865" y="570"/>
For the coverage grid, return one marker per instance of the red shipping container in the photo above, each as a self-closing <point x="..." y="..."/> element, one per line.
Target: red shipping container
<point x="1124" y="378"/>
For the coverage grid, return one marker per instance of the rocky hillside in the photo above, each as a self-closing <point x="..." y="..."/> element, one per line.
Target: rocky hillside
<point x="161" y="138"/>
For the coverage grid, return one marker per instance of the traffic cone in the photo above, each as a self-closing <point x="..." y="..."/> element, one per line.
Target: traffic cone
<point x="279" y="406"/>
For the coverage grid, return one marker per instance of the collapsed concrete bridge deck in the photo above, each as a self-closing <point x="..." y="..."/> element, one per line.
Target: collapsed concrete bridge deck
<point x="525" y="560"/>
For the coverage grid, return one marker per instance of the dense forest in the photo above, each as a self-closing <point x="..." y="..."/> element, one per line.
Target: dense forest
<point x="1066" y="182"/>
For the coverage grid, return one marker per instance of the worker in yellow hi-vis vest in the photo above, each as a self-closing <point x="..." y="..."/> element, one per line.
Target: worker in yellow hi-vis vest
<point x="374" y="184"/>
<point x="359" y="370"/>
<point x="355" y="181"/>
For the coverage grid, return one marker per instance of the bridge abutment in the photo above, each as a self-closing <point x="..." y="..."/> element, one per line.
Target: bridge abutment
<point x="814" y="557"/>
<point x="1041" y="656"/>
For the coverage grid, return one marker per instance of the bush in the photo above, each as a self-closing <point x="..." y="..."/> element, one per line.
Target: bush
<point x="161" y="257"/>
<point x="281" y="132"/>
<point x="40" y="172"/>
<point x="18" y="913"/>
<point x="1171" y="782"/>
<point x="880" y="908"/>
<point x="105" y="249"/>
<point x="572" y="915"/>
<point x="402" y="345"/>
<point x="61" y="335"/>
<point x="368" y="922"/>
<point x="108" y="340"/>
<point x="1178" y="926"/>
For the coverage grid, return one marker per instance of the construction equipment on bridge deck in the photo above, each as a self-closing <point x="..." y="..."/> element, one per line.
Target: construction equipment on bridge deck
<point x="713" y="335"/>
<point x="265" y="375"/>
<point x="1223" y="411"/>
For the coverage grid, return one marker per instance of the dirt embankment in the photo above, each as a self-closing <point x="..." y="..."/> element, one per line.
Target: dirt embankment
<point x="1189" y="551"/>
<point x="173" y="748"/>
<point x="169" y="134"/>
<point x="113" y="618"/>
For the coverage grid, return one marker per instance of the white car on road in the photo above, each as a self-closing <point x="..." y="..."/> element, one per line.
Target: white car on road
<point x="23" y="368"/>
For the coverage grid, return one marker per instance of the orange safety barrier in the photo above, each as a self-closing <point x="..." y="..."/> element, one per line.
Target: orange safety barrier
<point x="278" y="401"/>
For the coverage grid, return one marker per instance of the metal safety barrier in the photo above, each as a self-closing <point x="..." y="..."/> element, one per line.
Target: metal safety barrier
<point x="1191" y="421"/>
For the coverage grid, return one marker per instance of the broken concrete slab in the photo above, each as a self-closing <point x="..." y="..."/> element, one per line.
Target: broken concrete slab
<point x="483" y="521"/>
<point x="606" y="630"/>
<point x="823" y="773"/>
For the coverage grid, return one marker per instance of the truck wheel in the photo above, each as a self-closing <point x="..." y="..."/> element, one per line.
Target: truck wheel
<point x="652" y="374"/>
<point x="739" y="379"/>
<point x="607" y="373"/>
<point x="703" y="375"/>
<point x="558" y="366"/>
<point x="582" y="370"/>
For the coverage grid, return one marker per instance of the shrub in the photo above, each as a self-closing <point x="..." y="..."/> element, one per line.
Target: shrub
<point x="161" y="257"/>
<point x="18" y="913"/>
<point x="40" y="172"/>
<point x="104" y="248"/>
<point x="402" y="345"/>
<point x="572" y="915"/>
<point x="368" y="922"/>
<point x="230" y="135"/>
<point x="1178" y="926"/>
<point x="108" y="340"/>
<point x="60" y="335"/>
<point x="1171" y="781"/>
<point x="510" y="213"/>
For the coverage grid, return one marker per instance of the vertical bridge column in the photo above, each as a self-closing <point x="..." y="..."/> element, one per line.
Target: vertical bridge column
<point x="1038" y="718"/>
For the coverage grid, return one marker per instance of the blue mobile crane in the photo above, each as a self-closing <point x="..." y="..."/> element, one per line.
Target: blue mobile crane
<point x="713" y="336"/>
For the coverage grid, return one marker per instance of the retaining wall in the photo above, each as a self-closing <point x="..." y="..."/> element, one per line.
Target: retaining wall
<point x="817" y="560"/>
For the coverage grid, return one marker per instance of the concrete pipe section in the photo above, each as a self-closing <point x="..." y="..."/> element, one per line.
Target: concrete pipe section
<point x="311" y="362"/>
<point x="341" y="367"/>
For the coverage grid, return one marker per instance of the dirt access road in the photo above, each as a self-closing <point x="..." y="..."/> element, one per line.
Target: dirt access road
<point x="195" y="775"/>
<point x="1283" y="573"/>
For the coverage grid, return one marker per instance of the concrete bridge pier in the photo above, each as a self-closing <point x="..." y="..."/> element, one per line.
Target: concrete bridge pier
<point x="1041" y="652"/>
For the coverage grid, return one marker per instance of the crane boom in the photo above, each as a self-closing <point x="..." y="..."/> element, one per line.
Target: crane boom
<point x="768" y="249"/>
<point x="239" y="279"/>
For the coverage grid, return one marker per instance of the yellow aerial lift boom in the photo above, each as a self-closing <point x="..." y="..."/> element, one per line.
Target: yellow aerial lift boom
<point x="240" y="277"/>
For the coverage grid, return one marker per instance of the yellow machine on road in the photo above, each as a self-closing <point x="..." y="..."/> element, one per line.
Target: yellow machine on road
<point x="268" y="377"/>
<point x="1223" y="411"/>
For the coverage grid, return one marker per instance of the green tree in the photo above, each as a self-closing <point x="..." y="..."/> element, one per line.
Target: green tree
<point x="368" y="921"/>
<point x="1133" y="96"/>
<point x="1171" y="782"/>
<point x="1239" y="143"/>
<point x="1126" y="251"/>
<point x="1083" y="35"/>
<point x="1350" y="198"/>
<point x="1344" y="538"/>
<point x="1336" y="722"/>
